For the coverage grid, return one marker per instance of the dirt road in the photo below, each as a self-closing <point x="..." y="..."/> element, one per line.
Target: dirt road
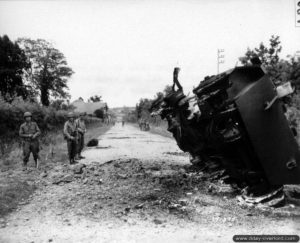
<point x="136" y="187"/>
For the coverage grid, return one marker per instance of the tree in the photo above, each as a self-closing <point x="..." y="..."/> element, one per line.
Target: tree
<point x="49" y="70"/>
<point x="142" y="108"/>
<point x="61" y="104"/>
<point x="95" y="98"/>
<point x="99" y="113"/>
<point x="13" y="62"/>
<point x="130" y="116"/>
<point x="290" y="71"/>
<point x="280" y="70"/>
<point x="268" y="55"/>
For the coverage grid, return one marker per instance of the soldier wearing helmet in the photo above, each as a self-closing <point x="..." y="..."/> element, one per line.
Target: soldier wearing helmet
<point x="30" y="131"/>
<point x="71" y="135"/>
<point x="81" y="131"/>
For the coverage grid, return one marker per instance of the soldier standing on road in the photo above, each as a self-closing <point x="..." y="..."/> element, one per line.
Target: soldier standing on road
<point x="30" y="131"/>
<point x="70" y="134"/>
<point x="80" y="124"/>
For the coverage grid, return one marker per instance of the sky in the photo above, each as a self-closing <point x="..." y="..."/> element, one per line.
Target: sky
<point x="125" y="50"/>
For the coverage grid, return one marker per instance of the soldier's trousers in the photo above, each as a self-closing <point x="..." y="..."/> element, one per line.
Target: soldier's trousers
<point x="72" y="147"/>
<point x="30" y="147"/>
<point x="80" y="143"/>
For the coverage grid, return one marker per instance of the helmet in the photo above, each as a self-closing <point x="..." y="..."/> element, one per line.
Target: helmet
<point x="70" y="115"/>
<point x="27" y="114"/>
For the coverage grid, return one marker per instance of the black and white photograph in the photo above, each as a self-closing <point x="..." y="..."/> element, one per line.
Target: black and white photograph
<point x="128" y="121"/>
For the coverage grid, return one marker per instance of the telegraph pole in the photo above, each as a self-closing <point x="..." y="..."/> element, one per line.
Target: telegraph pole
<point x="220" y="58"/>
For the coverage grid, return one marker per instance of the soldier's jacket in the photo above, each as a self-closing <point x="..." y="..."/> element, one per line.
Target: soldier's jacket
<point x="80" y="126"/>
<point x="70" y="130"/>
<point x="28" y="129"/>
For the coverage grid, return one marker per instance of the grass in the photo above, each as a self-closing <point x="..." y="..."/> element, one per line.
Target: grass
<point x="13" y="191"/>
<point x="16" y="186"/>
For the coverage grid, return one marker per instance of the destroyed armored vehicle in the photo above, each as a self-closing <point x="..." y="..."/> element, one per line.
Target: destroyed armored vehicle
<point x="236" y="124"/>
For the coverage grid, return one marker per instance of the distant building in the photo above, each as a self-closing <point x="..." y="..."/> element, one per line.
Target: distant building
<point x="88" y="107"/>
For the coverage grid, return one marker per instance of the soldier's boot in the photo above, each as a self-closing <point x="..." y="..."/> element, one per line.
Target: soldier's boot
<point x="73" y="161"/>
<point x="81" y="157"/>
<point x="37" y="163"/>
<point x="77" y="157"/>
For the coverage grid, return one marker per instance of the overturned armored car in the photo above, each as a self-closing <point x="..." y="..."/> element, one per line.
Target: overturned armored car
<point x="235" y="124"/>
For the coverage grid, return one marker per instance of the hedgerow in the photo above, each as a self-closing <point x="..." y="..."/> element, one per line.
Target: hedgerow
<point x="48" y="119"/>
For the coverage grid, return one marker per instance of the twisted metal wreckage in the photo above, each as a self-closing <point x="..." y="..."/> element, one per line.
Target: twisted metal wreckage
<point x="235" y="126"/>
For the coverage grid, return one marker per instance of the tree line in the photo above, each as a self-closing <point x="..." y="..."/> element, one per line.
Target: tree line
<point x="33" y="69"/>
<point x="280" y="70"/>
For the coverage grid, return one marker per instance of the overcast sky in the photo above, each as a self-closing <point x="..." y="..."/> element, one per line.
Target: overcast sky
<point x="125" y="50"/>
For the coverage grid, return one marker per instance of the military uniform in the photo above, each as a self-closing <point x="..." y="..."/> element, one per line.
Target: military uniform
<point x="29" y="131"/>
<point x="80" y="124"/>
<point x="70" y="134"/>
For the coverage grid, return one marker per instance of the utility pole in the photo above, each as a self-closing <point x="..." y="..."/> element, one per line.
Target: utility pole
<point x="220" y="58"/>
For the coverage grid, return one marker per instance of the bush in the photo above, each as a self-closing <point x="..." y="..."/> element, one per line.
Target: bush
<point x="11" y="115"/>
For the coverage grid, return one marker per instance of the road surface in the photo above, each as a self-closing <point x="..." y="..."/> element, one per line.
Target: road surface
<point x="135" y="188"/>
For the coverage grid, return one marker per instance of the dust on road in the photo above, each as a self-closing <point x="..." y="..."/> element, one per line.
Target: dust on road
<point x="129" y="142"/>
<point x="136" y="187"/>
